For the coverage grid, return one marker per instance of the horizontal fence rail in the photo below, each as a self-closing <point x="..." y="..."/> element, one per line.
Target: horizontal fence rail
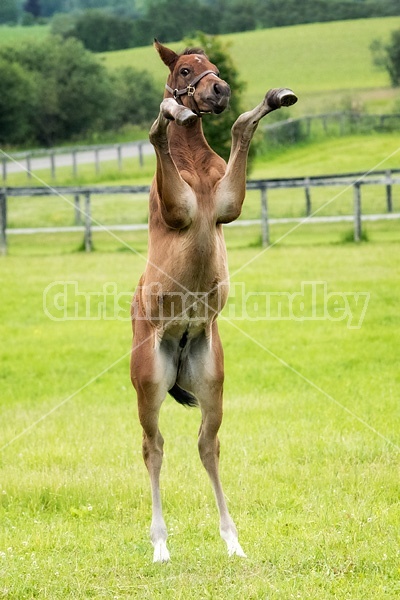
<point x="288" y="130"/>
<point x="355" y="181"/>
<point x="35" y="160"/>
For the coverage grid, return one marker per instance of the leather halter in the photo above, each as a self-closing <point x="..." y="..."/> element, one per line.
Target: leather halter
<point x="191" y="88"/>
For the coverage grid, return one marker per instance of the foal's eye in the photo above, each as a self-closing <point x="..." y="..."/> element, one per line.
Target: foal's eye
<point x="185" y="72"/>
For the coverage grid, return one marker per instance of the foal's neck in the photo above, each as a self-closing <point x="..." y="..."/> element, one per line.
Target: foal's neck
<point x="188" y="139"/>
<point x="192" y="154"/>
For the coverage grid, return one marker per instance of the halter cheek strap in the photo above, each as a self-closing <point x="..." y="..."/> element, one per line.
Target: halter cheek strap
<point x="191" y="88"/>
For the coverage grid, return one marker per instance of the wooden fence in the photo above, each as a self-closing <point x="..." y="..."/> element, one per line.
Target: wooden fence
<point x="356" y="181"/>
<point x="289" y="130"/>
<point x="342" y="123"/>
<point x="73" y="156"/>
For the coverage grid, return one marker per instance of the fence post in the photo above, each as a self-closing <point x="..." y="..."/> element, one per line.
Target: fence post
<point x="96" y="160"/>
<point x="3" y="222"/>
<point x="28" y="166"/>
<point x="357" y="212"/>
<point x="4" y="161"/>
<point x="119" y="152"/>
<point x="308" y="196"/>
<point x="140" y="148"/>
<point x="389" y="200"/>
<point x="88" y="224"/>
<point x="341" y="124"/>
<point x="77" y="202"/>
<point x="53" y="165"/>
<point x="308" y="126"/>
<point x="74" y="166"/>
<point x="264" y="217"/>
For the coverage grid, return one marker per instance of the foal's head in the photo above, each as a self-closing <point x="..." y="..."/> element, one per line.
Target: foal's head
<point x="194" y="81"/>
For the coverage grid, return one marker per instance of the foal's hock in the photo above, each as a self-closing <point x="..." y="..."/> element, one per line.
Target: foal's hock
<point x="176" y="345"/>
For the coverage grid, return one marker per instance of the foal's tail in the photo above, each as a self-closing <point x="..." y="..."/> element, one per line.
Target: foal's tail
<point x="182" y="396"/>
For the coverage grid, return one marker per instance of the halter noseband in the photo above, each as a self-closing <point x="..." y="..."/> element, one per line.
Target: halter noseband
<point x="191" y="88"/>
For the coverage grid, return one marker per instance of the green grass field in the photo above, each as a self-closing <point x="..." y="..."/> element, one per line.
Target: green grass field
<point x="310" y="442"/>
<point x="325" y="63"/>
<point x="310" y="438"/>
<point x="18" y="34"/>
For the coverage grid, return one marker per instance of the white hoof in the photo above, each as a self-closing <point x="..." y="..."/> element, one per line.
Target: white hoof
<point x="161" y="553"/>
<point x="235" y="549"/>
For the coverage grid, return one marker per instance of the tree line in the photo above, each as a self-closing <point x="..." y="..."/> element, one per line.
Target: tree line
<point x="115" y="24"/>
<point x="55" y="90"/>
<point x="171" y="20"/>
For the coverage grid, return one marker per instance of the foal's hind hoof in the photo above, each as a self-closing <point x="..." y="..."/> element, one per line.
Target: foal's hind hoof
<point x="280" y="97"/>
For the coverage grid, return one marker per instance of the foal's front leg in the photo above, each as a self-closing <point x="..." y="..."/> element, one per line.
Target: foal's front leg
<point x="232" y="187"/>
<point x="177" y="200"/>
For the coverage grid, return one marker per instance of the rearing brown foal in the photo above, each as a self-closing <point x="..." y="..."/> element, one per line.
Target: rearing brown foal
<point x="177" y="348"/>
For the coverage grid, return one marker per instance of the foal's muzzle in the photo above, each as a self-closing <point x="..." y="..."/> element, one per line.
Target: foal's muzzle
<point x="220" y="96"/>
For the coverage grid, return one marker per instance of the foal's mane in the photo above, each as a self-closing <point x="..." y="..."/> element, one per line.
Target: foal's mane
<point x="188" y="51"/>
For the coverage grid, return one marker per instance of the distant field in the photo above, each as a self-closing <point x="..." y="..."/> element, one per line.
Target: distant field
<point x="325" y="63"/>
<point x="18" y="34"/>
<point x="315" y="60"/>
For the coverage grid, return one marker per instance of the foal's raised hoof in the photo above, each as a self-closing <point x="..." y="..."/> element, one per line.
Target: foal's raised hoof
<point x="186" y="117"/>
<point x="280" y="97"/>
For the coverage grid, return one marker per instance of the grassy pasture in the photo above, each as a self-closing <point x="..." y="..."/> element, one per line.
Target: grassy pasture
<point x="325" y="63"/>
<point x="117" y="209"/>
<point x="309" y="455"/>
<point x="15" y="35"/>
<point x="310" y="442"/>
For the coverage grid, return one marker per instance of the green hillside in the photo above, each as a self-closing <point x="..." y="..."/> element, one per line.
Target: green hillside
<point x="18" y="34"/>
<point x="326" y="63"/>
<point x="323" y="62"/>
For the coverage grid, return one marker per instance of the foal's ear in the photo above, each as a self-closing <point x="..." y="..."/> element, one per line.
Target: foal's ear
<point x="168" y="56"/>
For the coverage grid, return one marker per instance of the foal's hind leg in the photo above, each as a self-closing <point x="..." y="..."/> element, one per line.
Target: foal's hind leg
<point x="152" y="377"/>
<point x="150" y="398"/>
<point x="206" y="374"/>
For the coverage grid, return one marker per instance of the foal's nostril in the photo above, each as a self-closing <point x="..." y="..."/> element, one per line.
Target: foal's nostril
<point x="217" y="89"/>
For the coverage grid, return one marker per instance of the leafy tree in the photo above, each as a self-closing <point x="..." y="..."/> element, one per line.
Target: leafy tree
<point x="73" y="90"/>
<point x="136" y="97"/>
<point x="8" y="11"/>
<point x="240" y="17"/>
<point x="63" y="24"/>
<point x="17" y="103"/>
<point x="97" y="30"/>
<point x="55" y="90"/>
<point x="393" y="58"/>
<point x="172" y="19"/>
<point x="33" y="7"/>
<point x="387" y="56"/>
<point x="101" y="32"/>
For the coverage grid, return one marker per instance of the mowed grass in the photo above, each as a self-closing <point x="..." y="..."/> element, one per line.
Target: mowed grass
<point x="310" y="442"/>
<point x="326" y="64"/>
